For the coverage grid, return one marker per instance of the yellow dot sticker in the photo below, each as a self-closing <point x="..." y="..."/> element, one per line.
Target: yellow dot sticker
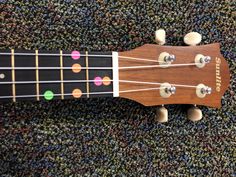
<point x="106" y="80"/>
<point x="77" y="93"/>
<point x="76" y="68"/>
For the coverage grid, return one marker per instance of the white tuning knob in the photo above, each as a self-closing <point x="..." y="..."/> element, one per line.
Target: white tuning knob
<point x="160" y="36"/>
<point x="162" y="114"/>
<point x="192" y="38"/>
<point x="194" y="114"/>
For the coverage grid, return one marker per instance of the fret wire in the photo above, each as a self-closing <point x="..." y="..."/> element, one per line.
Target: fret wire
<point x="87" y="73"/>
<point x="37" y="73"/>
<point x="50" y="54"/>
<point x="13" y="75"/>
<point x="61" y="72"/>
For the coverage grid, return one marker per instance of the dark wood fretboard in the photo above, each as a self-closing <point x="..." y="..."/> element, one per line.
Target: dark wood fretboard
<point x="40" y="75"/>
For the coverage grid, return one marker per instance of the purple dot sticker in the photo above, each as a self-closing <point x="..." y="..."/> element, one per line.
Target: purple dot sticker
<point x="98" y="81"/>
<point x="75" y="55"/>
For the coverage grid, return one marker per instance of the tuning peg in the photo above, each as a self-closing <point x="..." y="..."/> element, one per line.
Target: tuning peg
<point x="194" y="114"/>
<point x="160" y="36"/>
<point x="162" y="114"/>
<point x="192" y="38"/>
<point x="166" y="90"/>
<point x="203" y="90"/>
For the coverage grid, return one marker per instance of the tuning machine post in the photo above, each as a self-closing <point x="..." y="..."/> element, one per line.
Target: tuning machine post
<point x="165" y="59"/>
<point x="201" y="60"/>
<point x="203" y="90"/>
<point x="166" y="90"/>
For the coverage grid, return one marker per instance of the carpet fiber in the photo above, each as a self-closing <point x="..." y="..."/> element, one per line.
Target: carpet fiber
<point x="104" y="137"/>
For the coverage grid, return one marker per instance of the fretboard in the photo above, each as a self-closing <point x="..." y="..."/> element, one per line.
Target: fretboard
<point x="42" y="75"/>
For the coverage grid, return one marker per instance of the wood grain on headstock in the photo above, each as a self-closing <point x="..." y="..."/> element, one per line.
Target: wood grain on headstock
<point x="186" y="75"/>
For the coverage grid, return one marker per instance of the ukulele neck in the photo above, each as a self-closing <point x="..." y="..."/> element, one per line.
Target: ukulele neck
<point x="38" y="75"/>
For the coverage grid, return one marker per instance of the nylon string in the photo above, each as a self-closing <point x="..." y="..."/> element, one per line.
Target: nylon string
<point x="100" y="68"/>
<point x="81" y="81"/>
<point x="77" y="81"/>
<point x="94" y="68"/>
<point x="91" y="93"/>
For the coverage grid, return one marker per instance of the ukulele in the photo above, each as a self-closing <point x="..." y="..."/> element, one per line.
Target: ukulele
<point x="150" y="75"/>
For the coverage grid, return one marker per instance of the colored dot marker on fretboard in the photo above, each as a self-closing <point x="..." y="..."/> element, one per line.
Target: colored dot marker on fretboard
<point x="75" y="55"/>
<point x="2" y="76"/>
<point x="77" y="93"/>
<point x="76" y="68"/>
<point x="106" y="80"/>
<point x="98" y="81"/>
<point x="48" y="95"/>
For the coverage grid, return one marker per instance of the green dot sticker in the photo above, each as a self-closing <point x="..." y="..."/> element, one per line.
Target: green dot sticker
<point x="48" y="95"/>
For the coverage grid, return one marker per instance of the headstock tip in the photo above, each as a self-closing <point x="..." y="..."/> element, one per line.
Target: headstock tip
<point x="186" y="68"/>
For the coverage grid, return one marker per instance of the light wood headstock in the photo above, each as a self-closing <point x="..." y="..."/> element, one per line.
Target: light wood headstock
<point x="214" y="75"/>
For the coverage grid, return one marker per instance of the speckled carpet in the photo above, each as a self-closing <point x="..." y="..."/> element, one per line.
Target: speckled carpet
<point x="105" y="137"/>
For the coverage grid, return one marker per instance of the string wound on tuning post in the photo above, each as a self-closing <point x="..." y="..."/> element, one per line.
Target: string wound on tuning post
<point x="202" y="90"/>
<point x="169" y="58"/>
<point x="205" y="59"/>
<point x="201" y="60"/>
<point x="171" y="90"/>
<point x="165" y="59"/>
<point x="206" y="90"/>
<point x="166" y="90"/>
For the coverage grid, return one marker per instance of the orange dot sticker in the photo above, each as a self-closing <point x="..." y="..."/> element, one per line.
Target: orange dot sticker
<point x="77" y="93"/>
<point x="76" y="68"/>
<point x="106" y="80"/>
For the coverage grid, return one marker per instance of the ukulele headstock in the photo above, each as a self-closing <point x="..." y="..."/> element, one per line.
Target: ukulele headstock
<point x="158" y="75"/>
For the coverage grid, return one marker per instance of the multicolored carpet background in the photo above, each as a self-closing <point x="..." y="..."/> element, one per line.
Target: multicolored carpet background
<point x="105" y="137"/>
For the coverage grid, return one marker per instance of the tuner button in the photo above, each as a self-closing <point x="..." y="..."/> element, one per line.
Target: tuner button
<point x="194" y="114"/>
<point x="162" y="114"/>
<point x="192" y="38"/>
<point x="160" y="36"/>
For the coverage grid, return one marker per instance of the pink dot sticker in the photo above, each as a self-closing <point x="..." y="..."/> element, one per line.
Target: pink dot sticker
<point x="75" y="55"/>
<point x="98" y="81"/>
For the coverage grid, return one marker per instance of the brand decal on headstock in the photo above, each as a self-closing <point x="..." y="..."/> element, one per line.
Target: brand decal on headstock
<point x="218" y="77"/>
